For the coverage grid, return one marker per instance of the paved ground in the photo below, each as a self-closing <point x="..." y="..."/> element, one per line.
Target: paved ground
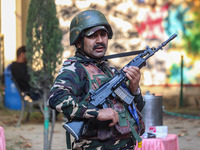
<point x="188" y="131"/>
<point x="30" y="135"/>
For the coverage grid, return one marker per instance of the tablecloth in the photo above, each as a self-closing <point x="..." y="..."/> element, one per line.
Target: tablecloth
<point x="2" y="139"/>
<point x="168" y="143"/>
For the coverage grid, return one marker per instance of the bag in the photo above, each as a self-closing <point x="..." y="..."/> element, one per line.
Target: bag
<point x="125" y="120"/>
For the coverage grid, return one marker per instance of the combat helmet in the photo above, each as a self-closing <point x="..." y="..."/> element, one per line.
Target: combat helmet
<point x="86" y="20"/>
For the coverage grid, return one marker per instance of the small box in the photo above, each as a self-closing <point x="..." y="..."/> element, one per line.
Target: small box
<point x="159" y="131"/>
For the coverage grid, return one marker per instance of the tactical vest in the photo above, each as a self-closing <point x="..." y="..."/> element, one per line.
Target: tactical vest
<point x="100" y="130"/>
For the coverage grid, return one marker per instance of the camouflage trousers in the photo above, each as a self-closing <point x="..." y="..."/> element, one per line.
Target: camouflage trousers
<point x="111" y="144"/>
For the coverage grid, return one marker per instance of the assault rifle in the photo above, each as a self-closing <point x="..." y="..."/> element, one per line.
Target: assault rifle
<point x="114" y="87"/>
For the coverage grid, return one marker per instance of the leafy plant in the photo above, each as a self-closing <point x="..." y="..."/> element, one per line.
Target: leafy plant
<point x="44" y="50"/>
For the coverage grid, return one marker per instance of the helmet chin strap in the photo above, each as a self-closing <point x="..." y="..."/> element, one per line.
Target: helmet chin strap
<point x="81" y="50"/>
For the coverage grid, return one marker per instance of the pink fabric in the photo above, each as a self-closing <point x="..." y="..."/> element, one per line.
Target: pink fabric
<point x="168" y="143"/>
<point x="2" y="139"/>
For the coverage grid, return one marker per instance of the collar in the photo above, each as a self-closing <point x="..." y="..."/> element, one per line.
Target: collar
<point x="87" y="59"/>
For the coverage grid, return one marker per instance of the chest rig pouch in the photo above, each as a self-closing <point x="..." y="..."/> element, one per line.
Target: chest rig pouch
<point x="102" y="131"/>
<point x="97" y="129"/>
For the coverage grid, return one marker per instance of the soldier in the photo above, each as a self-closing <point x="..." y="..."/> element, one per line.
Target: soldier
<point x="108" y="128"/>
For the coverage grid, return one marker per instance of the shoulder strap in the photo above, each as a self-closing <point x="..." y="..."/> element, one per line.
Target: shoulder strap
<point x="114" y="56"/>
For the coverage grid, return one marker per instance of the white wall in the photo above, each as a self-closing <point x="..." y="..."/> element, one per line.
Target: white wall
<point x="8" y="28"/>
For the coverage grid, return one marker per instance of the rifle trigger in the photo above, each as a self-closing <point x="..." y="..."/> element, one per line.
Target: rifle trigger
<point x="91" y="92"/>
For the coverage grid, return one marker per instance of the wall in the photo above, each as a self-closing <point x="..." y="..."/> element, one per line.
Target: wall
<point x="8" y="28"/>
<point x="13" y="26"/>
<point x="137" y="25"/>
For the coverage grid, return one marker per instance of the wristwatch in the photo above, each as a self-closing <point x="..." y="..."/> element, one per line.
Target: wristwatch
<point x="137" y="92"/>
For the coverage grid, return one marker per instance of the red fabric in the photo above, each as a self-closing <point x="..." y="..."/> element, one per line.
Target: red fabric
<point x="2" y="139"/>
<point x="168" y="143"/>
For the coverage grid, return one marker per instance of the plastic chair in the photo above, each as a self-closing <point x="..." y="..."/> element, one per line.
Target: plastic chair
<point x="27" y="105"/>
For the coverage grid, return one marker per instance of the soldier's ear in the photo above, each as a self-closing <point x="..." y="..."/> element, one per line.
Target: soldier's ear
<point x="78" y="44"/>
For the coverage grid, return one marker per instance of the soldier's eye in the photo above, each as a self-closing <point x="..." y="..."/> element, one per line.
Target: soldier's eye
<point x="104" y="33"/>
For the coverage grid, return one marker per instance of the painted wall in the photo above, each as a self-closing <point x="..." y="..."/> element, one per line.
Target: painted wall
<point x="137" y="25"/>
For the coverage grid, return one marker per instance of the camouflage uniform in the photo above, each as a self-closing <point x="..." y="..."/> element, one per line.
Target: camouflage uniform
<point x="69" y="95"/>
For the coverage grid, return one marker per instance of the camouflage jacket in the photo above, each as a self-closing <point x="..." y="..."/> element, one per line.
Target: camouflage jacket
<point x="69" y="90"/>
<point x="68" y="95"/>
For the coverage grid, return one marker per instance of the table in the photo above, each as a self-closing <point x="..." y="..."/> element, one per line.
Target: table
<point x="168" y="143"/>
<point x="2" y="139"/>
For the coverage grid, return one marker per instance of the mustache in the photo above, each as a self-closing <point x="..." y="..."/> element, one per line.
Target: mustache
<point x="97" y="45"/>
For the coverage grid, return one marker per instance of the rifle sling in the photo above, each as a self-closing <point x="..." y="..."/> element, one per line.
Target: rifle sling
<point x="113" y="56"/>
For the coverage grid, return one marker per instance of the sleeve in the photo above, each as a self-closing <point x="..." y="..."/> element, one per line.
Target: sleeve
<point x="68" y="93"/>
<point x="139" y="102"/>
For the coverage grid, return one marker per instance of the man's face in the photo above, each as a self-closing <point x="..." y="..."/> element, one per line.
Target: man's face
<point x="23" y="57"/>
<point x="96" y="44"/>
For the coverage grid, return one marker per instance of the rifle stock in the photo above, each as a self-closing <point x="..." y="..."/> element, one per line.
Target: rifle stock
<point x="74" y="128"/>
<point x="114" y="87"/>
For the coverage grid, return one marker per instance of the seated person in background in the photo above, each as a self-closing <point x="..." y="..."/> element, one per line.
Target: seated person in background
<point x="20" y="74"/>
